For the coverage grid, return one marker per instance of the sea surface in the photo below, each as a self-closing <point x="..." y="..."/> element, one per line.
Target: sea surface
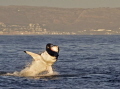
<point x="85" y="62"/>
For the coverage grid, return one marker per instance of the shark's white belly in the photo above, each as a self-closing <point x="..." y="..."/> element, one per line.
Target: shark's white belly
<point x="34" y="69"/>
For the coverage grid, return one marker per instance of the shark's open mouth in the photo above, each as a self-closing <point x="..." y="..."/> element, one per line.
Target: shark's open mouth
<point x="54" y="48"/>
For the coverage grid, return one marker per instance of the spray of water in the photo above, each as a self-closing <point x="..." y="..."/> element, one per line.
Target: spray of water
<point x="33" y="70"/>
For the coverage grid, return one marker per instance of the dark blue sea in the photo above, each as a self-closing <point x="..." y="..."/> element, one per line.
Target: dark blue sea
<point x="85" y="62"/>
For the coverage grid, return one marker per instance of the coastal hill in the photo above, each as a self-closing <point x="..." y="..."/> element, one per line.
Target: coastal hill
<point x="63" y="19"/>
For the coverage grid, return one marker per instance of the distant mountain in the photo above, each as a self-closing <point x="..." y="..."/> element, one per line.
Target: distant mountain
<point x="62" y="19"/>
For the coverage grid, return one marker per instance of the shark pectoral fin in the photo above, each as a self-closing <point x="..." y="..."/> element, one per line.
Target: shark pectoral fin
<point x="33" y="55"/>
<point x="50" y="70"/>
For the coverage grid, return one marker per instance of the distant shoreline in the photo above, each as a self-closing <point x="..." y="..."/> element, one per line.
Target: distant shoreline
<point x="27" y="20"/>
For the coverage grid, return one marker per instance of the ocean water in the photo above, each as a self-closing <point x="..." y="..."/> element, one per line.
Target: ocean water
<point x="85" y="62"/>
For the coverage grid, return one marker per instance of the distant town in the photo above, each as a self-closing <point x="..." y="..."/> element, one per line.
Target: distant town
<point x="31" y="29"/>
<point x="36" y="29"/>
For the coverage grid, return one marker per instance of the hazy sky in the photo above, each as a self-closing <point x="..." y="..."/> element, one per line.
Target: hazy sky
<point x="64" y="3"/>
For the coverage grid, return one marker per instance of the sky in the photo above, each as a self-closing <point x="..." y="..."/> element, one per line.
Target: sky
<point x="64" y="3"/>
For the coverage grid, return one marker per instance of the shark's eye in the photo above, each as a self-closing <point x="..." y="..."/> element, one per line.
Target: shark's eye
<point x="48" y="47"/>
<point x="51" y="45"/>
